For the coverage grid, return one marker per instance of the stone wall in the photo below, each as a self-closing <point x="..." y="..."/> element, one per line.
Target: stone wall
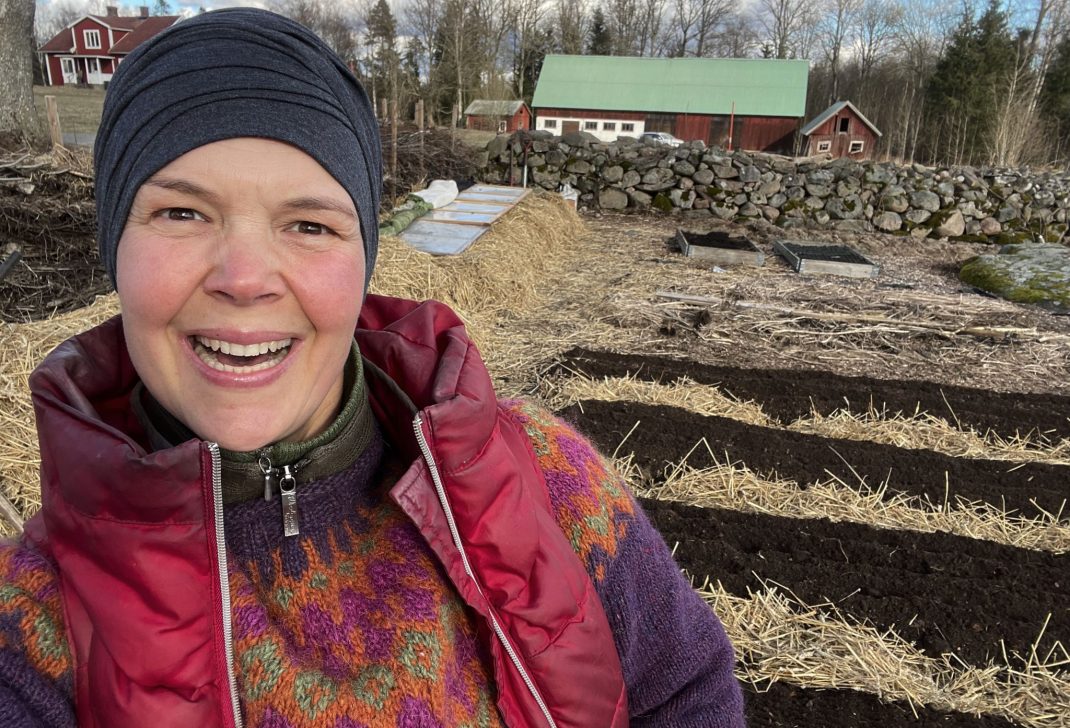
<point x="965" y="203"/>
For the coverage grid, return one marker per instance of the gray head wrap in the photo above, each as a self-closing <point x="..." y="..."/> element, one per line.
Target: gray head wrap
<point x="233" y="73"/>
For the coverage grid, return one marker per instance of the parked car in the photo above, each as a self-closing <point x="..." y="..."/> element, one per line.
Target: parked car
<point x="662" y="137"/>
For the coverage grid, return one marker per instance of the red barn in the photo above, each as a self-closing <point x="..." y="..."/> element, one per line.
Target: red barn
<point x="90" y="49"/>
<point x="499" y="116"/>
<point x="736" y="103"/>
<point x="840" y="131"/>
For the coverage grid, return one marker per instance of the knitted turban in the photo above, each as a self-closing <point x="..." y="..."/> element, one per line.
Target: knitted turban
<point x="233" y="73"/>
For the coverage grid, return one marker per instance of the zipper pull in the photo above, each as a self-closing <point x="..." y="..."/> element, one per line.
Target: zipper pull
<point x="269" y="472"/>
<point x="288" y="491"/>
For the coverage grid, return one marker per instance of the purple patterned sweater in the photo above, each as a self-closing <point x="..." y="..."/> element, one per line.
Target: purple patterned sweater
<point x="353" y="622"/>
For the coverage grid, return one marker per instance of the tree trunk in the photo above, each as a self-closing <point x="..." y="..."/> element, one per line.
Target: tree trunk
<point x="18" y="118"/>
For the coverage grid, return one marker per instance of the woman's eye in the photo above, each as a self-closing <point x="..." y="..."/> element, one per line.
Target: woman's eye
<point x="311" y="228"/>
<point x="181" y="213"/>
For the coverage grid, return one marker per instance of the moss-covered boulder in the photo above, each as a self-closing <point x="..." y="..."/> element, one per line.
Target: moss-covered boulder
<point x="1026" y="273"/>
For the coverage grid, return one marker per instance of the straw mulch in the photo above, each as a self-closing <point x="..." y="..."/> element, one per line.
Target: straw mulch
<point x="22" y="346"/>
<point x="501" y="274"/>
<point x="921" y="431"/>
<point x="732" y="486"/>
<point x="776" y="637"/>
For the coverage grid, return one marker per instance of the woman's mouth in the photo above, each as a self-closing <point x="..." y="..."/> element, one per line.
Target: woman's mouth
<point x="225" y="356"/>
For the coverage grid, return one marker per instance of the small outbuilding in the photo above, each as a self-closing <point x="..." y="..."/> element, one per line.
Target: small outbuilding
<point x="498" y="116"/>
<point x="840" y="131"/>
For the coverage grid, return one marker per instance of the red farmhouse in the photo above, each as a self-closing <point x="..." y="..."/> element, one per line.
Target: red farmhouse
<point x="88" y="50"/>
<point x="841" y="131"/>
<point x="499" y="116"/>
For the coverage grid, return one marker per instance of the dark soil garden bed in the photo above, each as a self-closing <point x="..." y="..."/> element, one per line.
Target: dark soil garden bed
<point x="943" y="592"/>
<point x="666" y="435"/>
<point x="788" y="706"/>
<point x="789" y="394"/>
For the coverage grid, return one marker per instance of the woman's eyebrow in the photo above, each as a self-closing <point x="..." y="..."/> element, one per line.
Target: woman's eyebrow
<point x="183" y="186"/>
<point x="320" y="203"/>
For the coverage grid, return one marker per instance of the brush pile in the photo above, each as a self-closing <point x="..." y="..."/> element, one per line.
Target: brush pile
<point x="47" y="214"/>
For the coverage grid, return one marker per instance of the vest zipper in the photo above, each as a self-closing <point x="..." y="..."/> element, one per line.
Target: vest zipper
<point x="287" y="492"/>
<point x="440" y="489"/>
<point x="224" y="581"/>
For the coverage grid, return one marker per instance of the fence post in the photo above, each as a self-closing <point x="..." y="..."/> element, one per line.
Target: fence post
<point x="420" y="133"/>
<point x="55" y="132"/>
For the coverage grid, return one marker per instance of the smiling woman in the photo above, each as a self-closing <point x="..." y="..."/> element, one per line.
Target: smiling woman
<point x="271" y="499"/>
<point x="245" y="339"/>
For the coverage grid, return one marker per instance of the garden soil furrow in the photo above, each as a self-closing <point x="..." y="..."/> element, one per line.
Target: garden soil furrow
<point x="787" y="395"/>
<point x="781" y="705"/>
<point x="919" y="583"/>
<point x="665" y="435"/>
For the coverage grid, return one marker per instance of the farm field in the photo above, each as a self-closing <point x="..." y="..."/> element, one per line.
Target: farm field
<point x="867" y="479"/>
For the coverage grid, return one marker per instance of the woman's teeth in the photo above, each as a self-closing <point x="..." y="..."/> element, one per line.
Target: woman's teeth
<point x="225" y="356"/>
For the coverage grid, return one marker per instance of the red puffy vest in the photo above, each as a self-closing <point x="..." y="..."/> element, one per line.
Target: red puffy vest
<point x="137" y="537"/>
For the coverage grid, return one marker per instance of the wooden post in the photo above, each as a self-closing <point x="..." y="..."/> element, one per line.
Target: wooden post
<point x="420" y="133"/>
<point x="55" y="132"/>
<point x="456" y="112"/>
<point x="393" y="151"/>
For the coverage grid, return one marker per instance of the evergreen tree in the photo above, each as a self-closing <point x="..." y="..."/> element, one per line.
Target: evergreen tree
<point x="383" y="63"/>
<point x="542" y="42"/>
<point x="966" y="86"/>
<point x="599" y="37"/>
<point x="162" y="7"/>
<point x="1055" y="95"/>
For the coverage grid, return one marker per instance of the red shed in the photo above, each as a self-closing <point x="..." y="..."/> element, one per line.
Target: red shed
<point x="841" y="131"/>
<point x="499" y="116"/>
<point x="89" y="50"/>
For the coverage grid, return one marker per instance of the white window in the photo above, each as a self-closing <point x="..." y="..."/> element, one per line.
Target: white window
<point x="502" y="126"/>
<point x="549" y="124"/>
<point x="91" y="38"/>
<point x="824" y="147"/>
<point x="590" y="125"/>
<point x="856" y="147"/>
<point x="626" y="126"/>
<point x="93" y="64"/>
<point x="609" y="126"/>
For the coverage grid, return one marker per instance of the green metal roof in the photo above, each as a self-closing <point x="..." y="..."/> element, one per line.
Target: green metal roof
<point x="758" y="86"/>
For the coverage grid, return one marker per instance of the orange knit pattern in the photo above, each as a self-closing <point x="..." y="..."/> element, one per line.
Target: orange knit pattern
<point x="31" y="613"/>
<point x="590" y="501"/>
<point x="376" y="636"/>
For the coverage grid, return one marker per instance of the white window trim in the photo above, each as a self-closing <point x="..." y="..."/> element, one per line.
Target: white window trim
<point x="85" y="39"/>
<point x="825" y="146"/>
<point x="549" y="123"/>
<point x="861" y="146"/>
<point x="502" y="126"/>
<point x="629" y="124"/>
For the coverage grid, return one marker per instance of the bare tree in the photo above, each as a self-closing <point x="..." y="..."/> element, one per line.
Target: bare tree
<point x="787" y="24"/>
<point x="651" y="21"/>
<point x="18" y="117"/>
<point x="836" y="31"/>
<point x="54" y="17"/>
<point x="571" y="25"/>
<point x="526" y="22"/>
<point x="876" y="22"/>
<point x="737" y="37"/>
<point x="330" y="21"/>
<point x="694" y="25"/>
<point x="623" y="17"/>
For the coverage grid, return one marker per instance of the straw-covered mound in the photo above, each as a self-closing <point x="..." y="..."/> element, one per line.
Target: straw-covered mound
<point x="501" y="272"/>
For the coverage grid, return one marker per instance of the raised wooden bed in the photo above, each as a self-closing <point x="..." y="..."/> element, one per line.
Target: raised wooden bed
<point x="720" y="248"/>
<point x="817" y="258"/>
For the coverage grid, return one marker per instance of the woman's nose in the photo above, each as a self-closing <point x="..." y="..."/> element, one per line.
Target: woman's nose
<point x="246" y="269"/>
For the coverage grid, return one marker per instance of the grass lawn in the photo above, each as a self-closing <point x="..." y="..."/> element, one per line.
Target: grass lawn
<point x="79" y="108"/>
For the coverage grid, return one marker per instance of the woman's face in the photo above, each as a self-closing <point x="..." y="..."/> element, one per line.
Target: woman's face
<point x="241" y="275"/>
